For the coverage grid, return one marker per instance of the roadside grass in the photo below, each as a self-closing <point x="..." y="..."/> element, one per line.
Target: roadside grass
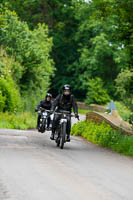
<point x="105" y="136"/>
<point x="80" y="111"/>
<point x="23" y="121"/>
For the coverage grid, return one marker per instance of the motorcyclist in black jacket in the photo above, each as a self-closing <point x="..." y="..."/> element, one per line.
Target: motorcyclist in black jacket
<point x="64" y="102"/>
<point x="46" y="104"/>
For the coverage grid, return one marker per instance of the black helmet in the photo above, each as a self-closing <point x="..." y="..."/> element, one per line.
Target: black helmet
<point x="48" y="95"/>
<point x="66" y="87"/>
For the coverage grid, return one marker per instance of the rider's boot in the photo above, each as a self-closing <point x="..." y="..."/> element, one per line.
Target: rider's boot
<point x="68" y="138"/>
<point x="52" y="134"/>
<point x="47" y="128"/>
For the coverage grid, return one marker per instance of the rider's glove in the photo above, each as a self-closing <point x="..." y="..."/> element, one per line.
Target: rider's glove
<point x="76" y="115"/>
<point x="40" y="108"/>
<point x="36" y="110"/>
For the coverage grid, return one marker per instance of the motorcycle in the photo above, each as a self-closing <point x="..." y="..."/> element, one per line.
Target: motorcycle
<point x="61" y="130"/>
<point x="43" y="119"/>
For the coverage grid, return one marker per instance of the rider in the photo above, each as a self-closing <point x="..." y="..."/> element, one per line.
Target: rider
<point x="64" y="102"/>
<point x="46" y="104"/>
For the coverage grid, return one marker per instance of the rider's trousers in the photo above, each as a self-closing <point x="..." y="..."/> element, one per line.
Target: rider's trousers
<point x="56" y="122"/>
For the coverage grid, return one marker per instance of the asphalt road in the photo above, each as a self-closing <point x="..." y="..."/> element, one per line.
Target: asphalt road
<point x="33" y="168"/>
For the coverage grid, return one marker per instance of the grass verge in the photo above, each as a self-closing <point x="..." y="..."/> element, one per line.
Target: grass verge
<point x="23" y="121"/>
<point x="105" y="136"/>
<point x="84" y="112"/>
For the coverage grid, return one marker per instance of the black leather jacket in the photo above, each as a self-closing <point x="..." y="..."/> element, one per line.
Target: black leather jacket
<point x="65" y="103"/>
<point x="45" y="104"/>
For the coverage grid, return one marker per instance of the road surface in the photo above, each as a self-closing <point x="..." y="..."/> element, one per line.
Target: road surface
<point x="33" y="168"/>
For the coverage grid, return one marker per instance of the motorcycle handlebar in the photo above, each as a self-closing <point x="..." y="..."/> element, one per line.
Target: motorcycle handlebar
<point x="43" y="109"/>
<point x="65" y="112"/>
<point x="60" y="113"/>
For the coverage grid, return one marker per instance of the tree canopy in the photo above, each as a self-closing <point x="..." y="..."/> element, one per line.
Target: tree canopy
<point x="30" y="49"/>
<point x="86" y="41"/>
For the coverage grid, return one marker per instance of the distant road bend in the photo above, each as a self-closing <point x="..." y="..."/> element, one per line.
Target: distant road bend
<point x="33" y="168"/>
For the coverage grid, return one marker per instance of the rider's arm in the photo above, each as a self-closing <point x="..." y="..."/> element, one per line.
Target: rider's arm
<point x="40" y="105"/>
<point x="55" y="103"/>
<point x="75" y="106"/>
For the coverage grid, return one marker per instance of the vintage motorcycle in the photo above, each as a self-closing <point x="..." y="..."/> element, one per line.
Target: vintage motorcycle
<point x="61" y="130"/>
<point x="44" y="114"/>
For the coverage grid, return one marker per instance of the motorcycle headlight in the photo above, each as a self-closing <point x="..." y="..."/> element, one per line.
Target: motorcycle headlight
<point x="44" y="114"/>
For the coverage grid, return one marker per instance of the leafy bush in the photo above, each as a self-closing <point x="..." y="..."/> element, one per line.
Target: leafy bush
<point x="124" y="87"/>
<point x="105" y="136"/>
<point x="2" y="101"/>
<point x="10" y="99"/>
<point x="96" y="93"/>
<point x="123" y="111"/>
<point x="33" y="67"/>
<point x="17" y="121"/>
<point x="10" y="96"/>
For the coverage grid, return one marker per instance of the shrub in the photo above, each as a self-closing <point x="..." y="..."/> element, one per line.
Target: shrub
<point x="10" y="99"/>
<point x="17" y="121"/>
<point x="96" y="93"/>
<point x="123" y="111"/>
<point x="124" y="87"/>
<point x="105" y="136"/>
<point x="9" y="96"/>
<point x="33" y="66"/>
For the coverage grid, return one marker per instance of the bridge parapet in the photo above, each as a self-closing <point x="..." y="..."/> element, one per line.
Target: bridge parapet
<point x="116" y="123"/>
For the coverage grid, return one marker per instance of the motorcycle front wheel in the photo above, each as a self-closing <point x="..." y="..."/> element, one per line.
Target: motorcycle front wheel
<point x="63" y="135"/>
<point x="43" y="126"/>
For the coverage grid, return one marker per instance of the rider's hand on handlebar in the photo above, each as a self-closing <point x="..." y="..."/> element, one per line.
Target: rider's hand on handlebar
<point x="77" y="116"/>
<point x="36" y="109"/>
<point x="41" y="108"/>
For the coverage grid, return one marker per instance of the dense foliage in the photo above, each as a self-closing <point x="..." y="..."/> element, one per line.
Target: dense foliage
<point x="123" y="111"/>
<point x="10" y="99"/>
<point x="105" y="136"/>
<point x="21" y="121"/>
<point x="92" y="42"/>
<point x="29" y="52"/>
<point x="96" y="93"/>
<point x="124" y="86"/>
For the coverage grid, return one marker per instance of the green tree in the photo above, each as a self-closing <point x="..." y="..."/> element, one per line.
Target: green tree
<point x="100" y="52"/>
<point x="96" y="92"/>
<point x="124" y="87"/>
<point x="90" y="39"/>
<point x="10" y="99"/>
<point x="31" y="49"/>
<point x="59" y="16"/>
